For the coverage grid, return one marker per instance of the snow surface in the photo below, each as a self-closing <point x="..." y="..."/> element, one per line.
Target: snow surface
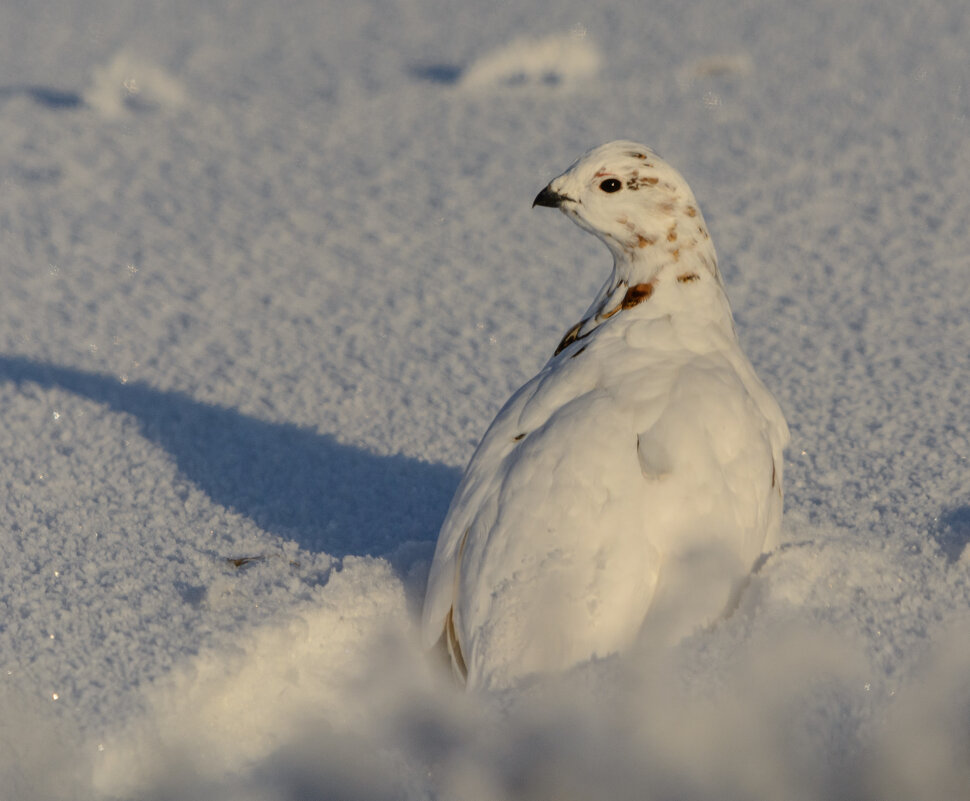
<point x="269" y="270"/>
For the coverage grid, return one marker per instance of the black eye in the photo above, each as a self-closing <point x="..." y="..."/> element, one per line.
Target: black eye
<point x="611" y="185"/>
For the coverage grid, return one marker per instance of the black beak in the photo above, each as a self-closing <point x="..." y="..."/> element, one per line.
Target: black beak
<point x="548" y="198"/>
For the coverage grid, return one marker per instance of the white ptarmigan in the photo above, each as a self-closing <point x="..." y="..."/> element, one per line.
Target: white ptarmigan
<point x="627" y="489"/>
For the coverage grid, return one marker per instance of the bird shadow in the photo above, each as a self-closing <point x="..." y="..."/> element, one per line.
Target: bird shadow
<point x="952" y="532"/>
<point x="290" y="480"/>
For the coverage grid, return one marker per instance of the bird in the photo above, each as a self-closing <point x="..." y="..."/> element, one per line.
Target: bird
<point x="624" y="494"/>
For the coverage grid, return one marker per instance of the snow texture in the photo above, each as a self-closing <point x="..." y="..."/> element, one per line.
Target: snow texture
<point x="269" y="270"/>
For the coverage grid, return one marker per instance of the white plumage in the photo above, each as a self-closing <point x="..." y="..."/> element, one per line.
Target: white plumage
<point x="629" y="487"/>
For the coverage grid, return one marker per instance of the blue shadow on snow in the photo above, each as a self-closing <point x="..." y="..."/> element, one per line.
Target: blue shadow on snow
<point x="952" y="532"/>
<point x="46" y="96"/>
<point x="291" y="481"/>
<point x="448" y="74"/>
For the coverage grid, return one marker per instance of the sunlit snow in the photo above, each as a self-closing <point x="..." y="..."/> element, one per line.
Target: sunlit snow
<point x="268" y="271"/>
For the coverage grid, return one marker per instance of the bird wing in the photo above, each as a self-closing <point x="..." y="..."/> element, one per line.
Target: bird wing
<point x="556" y="567"/>
<point x="588" y="479"/>
<point x="478" y="490"/>
<point x="713" y="494"/>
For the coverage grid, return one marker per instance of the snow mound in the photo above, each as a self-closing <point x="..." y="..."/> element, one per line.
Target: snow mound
<point x="342" y="706"/>
<point x="129" y="83"/>
<point x="529" y="62"/>
<point x="39" y="756"/>
<point x="236" y="706"/>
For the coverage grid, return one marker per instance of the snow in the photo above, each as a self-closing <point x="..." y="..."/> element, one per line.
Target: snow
<point x="550" y="60"/>
<point x="264" y="306"/>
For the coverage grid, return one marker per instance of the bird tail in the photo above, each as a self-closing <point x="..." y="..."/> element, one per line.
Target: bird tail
<point x="458" y="668"/>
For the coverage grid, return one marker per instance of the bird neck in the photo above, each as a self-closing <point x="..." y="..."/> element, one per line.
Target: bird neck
<point x="674" y="281"/>
<point x="663" y="253"/>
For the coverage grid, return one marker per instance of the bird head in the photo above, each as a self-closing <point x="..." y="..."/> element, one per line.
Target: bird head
<point x="640" y="206"/>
